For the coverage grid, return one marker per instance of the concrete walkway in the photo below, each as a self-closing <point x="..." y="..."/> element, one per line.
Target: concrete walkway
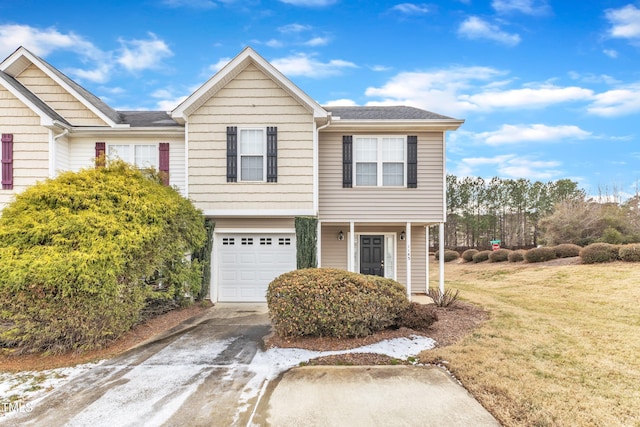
<point x="211" y="371"/>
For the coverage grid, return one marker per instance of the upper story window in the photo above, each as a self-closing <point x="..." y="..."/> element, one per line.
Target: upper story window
<point x="252" y="154"/>
<point x="140" y="155"/>
<point x="379" y="161"/>
<point x="251" y="158"/>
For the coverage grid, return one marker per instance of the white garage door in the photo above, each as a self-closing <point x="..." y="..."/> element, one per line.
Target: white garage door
<point x="248" y="262"/>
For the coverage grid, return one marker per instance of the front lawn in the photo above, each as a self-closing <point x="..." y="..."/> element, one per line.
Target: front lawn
<point x="562" y="346"/>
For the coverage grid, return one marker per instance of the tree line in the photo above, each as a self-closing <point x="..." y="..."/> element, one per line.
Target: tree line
<point x="509" y="210"/>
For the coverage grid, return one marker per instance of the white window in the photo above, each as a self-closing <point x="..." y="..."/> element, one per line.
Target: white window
<point x="252" y="154"/>
<point x="380" y="161"/>
<point x="140" y="155"/>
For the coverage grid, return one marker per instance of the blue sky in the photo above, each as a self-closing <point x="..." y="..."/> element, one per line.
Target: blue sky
<point x="548" y="89"/>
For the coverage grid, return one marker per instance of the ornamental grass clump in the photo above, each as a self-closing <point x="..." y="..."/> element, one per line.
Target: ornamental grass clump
<point x="81" y="254"/>
<point x="325" y="302"/>
<point x="599" y="252"/>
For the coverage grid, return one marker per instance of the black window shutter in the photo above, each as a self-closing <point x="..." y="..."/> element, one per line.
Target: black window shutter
<point x="232" y="154"/>
<point x="101" y="154"/>
<point x="7" y="161"/>
<point x="347" y="161"/>
<point x="272" y="154"/>
<point x="412" y="161"/>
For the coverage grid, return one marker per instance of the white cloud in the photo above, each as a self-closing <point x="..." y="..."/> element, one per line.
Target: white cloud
<point x="100" y="74"/>
<point x="43" y="41"/>
<point x="170" y="104"/>
<point x="514" y="134"/>
<point x="306" y="65"/>
<point x="139" y="55"/>
<point x="294" y="28"/>
<point x="317" y="41"/>
<point x="214" y="68"/>
<point x="527" y="7"/>
<point x="273" y="43"/>
<point x="196" y="4"/>
<point x="341" y="103"/>
<point x="309" y="3"/>
<point x="617" y="102"/>
<point x="611" y="53"/>
<point x="528" y="97"/>
<point x="625" y="22"/>
<point x="475" y="28"/>
<point x="380" y="68"/>
<point x="411" y="8"/>
<point x="509" y="166"/>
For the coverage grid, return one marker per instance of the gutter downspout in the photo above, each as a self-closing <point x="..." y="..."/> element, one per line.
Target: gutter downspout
<point x="316" y="187"/>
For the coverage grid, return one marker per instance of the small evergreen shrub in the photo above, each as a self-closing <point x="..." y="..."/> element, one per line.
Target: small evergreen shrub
<point x="333" y="303"/>
<point x="598" y="253"/>
<point x="567" y="250"/>
<point x="467" y="255"/>
<point x="417" y="316"/>
<point x="481" y="256"/>
<point x="516" y="256"/>
<point x="501" y="255"/>
<point x="449" y="255"/>
<point x="542" y="254"/>
<point x="630" y="253"/>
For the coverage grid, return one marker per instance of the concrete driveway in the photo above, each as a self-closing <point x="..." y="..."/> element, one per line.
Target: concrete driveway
<point x="210" y="371"/>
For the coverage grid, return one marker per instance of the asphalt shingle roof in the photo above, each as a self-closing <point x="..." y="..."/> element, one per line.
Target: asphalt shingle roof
<point x="384" y="113"/>
<point x="147" y="118"/>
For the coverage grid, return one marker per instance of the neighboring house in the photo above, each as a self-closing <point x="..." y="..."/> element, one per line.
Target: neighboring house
<point x="253" y="152"/>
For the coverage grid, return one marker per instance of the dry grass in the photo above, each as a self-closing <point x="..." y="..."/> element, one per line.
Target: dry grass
<point x="562" y="346"/>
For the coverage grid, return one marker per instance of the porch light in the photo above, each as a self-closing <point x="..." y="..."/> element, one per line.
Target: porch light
<point x="340" y="235"/>
<point x="402" y="235"/>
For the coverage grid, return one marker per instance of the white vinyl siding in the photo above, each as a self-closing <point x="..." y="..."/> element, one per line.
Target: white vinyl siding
<point x="380" y="161"/>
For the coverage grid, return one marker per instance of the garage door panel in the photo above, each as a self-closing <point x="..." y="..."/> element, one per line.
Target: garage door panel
<point x="246" y="267"/>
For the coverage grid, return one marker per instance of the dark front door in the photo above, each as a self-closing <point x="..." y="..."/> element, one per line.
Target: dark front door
<point x="372" y="255"/>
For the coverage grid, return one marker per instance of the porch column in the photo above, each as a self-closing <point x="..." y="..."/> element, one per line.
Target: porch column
<point x="352" y="247"/>
<point x="408" y="246"/>
<point x="441" y="260"/>
<point x="426" y="261"/>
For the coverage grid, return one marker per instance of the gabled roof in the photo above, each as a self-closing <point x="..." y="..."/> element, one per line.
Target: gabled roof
<point x="230" y="71"/>
<point x="19" y="60"/>
<point x="47" y="115"/>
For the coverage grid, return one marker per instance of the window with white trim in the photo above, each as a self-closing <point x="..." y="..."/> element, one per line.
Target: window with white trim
<point x="140" y="155"/>
<point x="252" y="154"/>
<point x="380" y="161"/>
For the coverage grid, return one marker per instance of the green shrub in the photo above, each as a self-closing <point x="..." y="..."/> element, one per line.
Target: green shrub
<point x="516" y="256"/>
<point x="599" y="252"/>
<point x="542" y="254"/>
<point x="467" y="255"/>
<point x="481" y="256"/>
<point x="449" y="255"/>
<point x="83" y="252"/>
<point x="417" y="316"/>
<point x="501" y="255"/>
<point x="567" y="250"/>
<point x="333" y="303"/>
<point x="612" y="236"/>
<point x="630" y="253"/>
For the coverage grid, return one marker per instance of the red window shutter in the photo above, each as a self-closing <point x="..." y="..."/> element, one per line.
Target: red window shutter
<point x="163" y="164"/>
<point x="101" y="154"/>
<point x="7" y="161"/>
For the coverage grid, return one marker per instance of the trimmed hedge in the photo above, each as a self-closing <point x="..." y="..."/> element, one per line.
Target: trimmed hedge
<point x="542" y="254"/>
<point x="467" y="255"/>
<point x="516" y="256"/>
<point x="599" y="253"/>
<point x="567" y="250"/>
<point x="630" y="253"/>
<point x="449" y="255"/>
<point x="501" y="255"/>
<point x="333" y="303"/>
<point x="481" y="256"/>
<point x="83" y="252"/>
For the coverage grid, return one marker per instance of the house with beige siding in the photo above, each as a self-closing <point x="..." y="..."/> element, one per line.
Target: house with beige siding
<point x="253" y="152"/>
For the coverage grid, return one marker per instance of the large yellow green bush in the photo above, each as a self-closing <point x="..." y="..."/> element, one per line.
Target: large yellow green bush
<point x="81" y="253"/>
<point x="333" y="303"/>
